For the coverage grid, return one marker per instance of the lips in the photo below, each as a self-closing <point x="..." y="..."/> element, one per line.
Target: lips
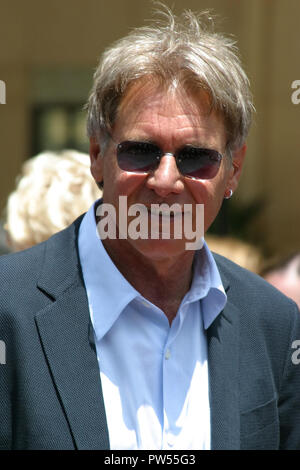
<point x="162" y="213"/>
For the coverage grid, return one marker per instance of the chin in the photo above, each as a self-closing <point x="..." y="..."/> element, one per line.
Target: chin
<point x="160" y="249"/>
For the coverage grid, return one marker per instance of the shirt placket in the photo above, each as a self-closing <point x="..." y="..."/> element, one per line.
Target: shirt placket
<point x="169" y="381"/>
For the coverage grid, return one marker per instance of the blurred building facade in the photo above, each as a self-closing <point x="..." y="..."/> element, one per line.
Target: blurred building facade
<point x="49" y="50"/>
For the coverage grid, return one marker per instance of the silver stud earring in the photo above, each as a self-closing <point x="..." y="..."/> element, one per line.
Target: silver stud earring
<point x="230" y="194"/>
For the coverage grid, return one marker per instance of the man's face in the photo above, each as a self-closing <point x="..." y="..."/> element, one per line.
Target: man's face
<point x="169" y="120"/>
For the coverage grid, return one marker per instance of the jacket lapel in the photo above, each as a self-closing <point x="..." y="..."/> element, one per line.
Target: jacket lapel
<point x="67" y="338"/>
<point x="223" y="360"/>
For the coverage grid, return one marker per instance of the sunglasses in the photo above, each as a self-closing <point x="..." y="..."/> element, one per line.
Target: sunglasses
<point x="192" y="162"/>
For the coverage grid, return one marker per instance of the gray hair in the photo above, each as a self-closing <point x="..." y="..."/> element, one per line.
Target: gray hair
<point x="186" y="51"/>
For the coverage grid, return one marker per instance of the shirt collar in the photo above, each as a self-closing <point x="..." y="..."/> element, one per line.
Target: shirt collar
<point x="107" y="289"/>
<point x="109" y="292"/>
<point x="207" y="285"/>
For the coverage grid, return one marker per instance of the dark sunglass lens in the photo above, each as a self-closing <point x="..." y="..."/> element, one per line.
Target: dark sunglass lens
<point x="199" y="163"/>
<point x="138" y="157"/>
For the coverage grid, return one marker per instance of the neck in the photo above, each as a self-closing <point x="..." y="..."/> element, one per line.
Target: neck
<point x="163" y="281"/>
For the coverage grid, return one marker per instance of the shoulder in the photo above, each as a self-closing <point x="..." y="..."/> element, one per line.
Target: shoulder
<point x="19" y="297"/>
<point x="29" y="261"/>
<point x="269" y="322"/>
<point x="22" y="265"/>
<point x="245" y="282"/>
<point x="253" y="295"/>
<point x="22" y="272"/>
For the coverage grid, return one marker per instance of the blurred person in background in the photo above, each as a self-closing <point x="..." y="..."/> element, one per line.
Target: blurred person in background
<point x="240" y="252"/>
<point x="284" y="274"/>
<point x="53" y="189"/>
<point x="4" y="249"/>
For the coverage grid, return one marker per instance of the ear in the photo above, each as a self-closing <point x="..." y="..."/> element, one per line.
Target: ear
<point x="96" y="160"/>
<point x="238" y="158"/>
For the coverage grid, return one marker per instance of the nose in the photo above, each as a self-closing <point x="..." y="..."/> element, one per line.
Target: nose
<point x="166" y="179"/>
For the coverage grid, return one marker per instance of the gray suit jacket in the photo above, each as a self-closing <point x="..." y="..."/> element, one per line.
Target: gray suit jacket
<point x="50" y="386"/>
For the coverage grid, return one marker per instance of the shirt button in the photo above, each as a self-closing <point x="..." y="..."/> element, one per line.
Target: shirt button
<point x="168" y="354"/>
<point x="171" y="441"/>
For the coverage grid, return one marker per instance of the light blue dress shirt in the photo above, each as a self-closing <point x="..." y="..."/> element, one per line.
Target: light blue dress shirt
<point x="154" y="376"/>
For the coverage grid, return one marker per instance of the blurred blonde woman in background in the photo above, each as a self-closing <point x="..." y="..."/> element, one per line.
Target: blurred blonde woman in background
<point x="243" y="253"/>
<point x="53" y="189"/>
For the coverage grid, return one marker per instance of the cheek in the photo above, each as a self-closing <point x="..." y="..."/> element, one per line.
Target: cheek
<point x="129" y="184"/>
<point x="210" y="192"/>
<point x="119" y="183"/>
<point x="206" y="192"/>
<point x="211" y="195"/>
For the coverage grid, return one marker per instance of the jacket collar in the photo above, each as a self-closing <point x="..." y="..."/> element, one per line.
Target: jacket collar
<point x="223" y="338"/>
<point x="223" y="360"/>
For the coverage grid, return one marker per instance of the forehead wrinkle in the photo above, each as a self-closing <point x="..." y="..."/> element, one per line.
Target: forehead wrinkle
<point x="141" y="96"/>
<point x="153" y="115"/>
<point x="157" y="134"/>
<point x="169" y="120"/>
<point x="195" y="133"/>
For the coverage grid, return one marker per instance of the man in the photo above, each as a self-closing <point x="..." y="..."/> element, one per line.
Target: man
<point x="138" y="342"/>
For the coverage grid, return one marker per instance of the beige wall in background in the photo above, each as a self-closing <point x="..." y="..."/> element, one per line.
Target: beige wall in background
<point x="39" y="38"/>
